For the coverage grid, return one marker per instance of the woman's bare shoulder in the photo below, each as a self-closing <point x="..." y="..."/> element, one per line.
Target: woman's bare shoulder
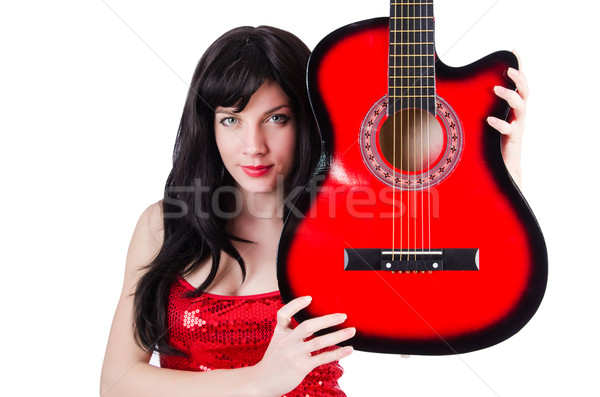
<point x="147" y="239"/>
<point x="152" y="218"/>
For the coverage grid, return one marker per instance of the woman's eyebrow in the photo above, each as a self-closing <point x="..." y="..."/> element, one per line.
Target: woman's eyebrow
<point x="233" y="113"/>
<point x="225" y="111"/>
<point x="276" y="108"/>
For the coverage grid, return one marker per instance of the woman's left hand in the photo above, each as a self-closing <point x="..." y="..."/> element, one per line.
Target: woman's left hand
<point x="512" y="132"/>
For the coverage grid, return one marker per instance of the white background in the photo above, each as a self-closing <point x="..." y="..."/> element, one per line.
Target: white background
<point x="91" y="94"/>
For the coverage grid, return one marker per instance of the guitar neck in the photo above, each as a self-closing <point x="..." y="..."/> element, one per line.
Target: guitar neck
<point x="411" y="56"/>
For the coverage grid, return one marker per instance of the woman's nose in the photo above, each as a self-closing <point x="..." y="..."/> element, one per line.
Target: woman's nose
<point x="256" y="144"/>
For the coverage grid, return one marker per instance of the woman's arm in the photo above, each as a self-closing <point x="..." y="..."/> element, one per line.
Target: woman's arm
<point x="512" y="132"/>
<point x="126" y="371"/>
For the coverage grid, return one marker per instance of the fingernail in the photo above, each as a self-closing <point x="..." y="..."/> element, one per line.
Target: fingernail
<point x="341" y="317"/>
<point x="512" y="70"/>
<point x="491" y="120"/>
<point x="348" y="349"/>
<point x="499" y="89"/>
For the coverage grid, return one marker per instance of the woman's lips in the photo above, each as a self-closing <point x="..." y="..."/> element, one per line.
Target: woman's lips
<point x="256" y="171"/>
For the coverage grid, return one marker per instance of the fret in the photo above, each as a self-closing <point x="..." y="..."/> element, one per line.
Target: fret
<point x="411" y="96"/>
<point x="407" y="81"/>
<point x="427" y="57"/>
<point x="404" y="74"/>
<point x="412" y="5"/>
<point x="410" y="8"/>
<point x="402" y="3"/>
<point x="412" y="55"/>
<point x="419" y="17"/>
<point x="413" y="87"/>
<point x="411" y="92"/>
<point x="398" y="103"/>
<point x="411" y="67"/>
<point x="405" y="38"/>
<point x="421" y="10"/>
<point x="410" y="75"/>
<point x="411" y="50"/>
<point x="411" y="81"/>
<point x="414" y="43"/>
<point x="411" y="31"/>
<point x="412" y="60"/>
<point x="412" y="24"/>
<point x="425" y="20"/>
<point x="412" y="70"/>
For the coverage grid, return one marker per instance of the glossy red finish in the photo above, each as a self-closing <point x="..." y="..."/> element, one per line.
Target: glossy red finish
<point x="434" y="313"/>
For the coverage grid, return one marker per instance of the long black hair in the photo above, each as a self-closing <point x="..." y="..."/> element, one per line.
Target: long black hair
<point x="227" y="75"/>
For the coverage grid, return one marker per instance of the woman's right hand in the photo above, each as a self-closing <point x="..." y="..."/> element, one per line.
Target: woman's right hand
<point x="288" y="357"/>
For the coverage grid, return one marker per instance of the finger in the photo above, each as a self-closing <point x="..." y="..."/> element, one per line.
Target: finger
<point x="518" y="77"/>
<point x="500" y="125"/>
<point x="519" y="62"/>
<point x="285" y="314"/>
<point x="513" y="99"/>
<point x="331" y="355"/>
<point x="309" y="327"/>
<point x="330" y="339"/>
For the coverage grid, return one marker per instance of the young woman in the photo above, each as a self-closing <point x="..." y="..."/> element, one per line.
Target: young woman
<point x="200" y="283"/>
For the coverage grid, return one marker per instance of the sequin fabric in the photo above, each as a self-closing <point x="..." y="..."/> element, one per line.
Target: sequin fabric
<point x="220" y="332"/>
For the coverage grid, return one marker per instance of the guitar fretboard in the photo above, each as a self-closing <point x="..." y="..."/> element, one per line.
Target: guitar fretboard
<point x="411" y="56"/>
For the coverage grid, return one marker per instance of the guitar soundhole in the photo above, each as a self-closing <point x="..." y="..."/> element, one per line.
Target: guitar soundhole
<point x="411" y="140"/>
<point x="427" y="147"/>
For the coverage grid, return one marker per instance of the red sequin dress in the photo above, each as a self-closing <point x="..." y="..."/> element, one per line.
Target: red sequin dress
<point x="220" y="332"/>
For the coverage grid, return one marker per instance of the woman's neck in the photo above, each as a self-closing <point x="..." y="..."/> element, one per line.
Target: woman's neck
<point x="262" y="206"/>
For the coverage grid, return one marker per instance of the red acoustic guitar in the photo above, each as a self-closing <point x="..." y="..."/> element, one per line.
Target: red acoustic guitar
<point x="412" y="225"/>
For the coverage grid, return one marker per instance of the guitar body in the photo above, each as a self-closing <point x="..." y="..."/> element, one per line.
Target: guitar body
<point x="471" y="204"/>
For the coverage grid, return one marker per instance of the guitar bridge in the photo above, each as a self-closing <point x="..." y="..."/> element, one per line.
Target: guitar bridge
<point x="415" y="260"/>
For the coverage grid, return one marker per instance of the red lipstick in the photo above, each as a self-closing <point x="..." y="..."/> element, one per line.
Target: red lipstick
<point x="256" y="171"/>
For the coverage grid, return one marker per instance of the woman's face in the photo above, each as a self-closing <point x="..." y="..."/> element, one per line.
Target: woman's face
<point x="258" y="144"/>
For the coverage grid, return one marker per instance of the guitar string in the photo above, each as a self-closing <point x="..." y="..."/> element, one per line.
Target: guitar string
<point x="417" y="106"/>
<point x="424" y="77"/>
<point x="430" y="68"/>
<point x="409" y="49"/>
<point x="428" y="115"/>
<point x="403" y="81"/>
<point x="422" y="130"/>
<point x="402" y="53"/>
<point x="392" y="113"/>
<point x="396" y="42"/>
<point x="422" y="108"/>
<point x="412" y="130"/>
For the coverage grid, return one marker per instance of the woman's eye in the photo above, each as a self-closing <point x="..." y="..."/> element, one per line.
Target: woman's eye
<point x="279" y="118"/>
<point x="229" y="121"/>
